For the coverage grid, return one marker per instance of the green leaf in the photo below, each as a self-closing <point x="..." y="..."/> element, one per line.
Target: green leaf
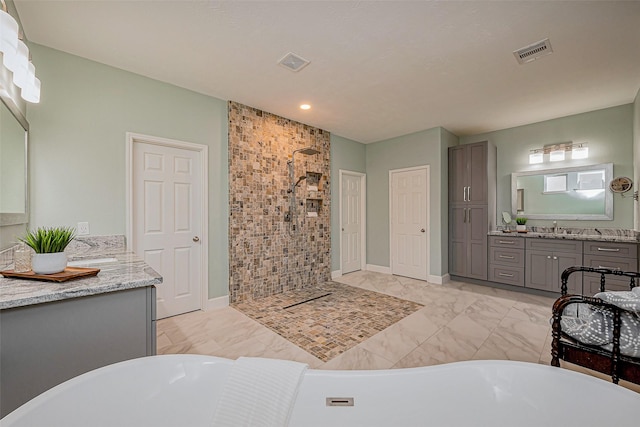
<point x="46" y="240"/>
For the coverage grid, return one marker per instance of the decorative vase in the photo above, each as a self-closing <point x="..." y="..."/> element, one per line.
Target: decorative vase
<point x="521" y="228"/>
<point x="49" y="263"/>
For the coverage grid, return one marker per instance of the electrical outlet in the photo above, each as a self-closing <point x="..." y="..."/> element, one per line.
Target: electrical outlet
<point x="83" y="228"/>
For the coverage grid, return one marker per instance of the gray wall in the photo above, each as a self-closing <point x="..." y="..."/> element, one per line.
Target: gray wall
<point x="349" y="155"/>
<point x="609" y="133"/>
<point x="77" y="157"/>
<point x="421" y="148"/>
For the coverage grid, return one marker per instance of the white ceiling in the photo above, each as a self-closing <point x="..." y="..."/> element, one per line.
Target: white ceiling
<point x="378" y="69"/>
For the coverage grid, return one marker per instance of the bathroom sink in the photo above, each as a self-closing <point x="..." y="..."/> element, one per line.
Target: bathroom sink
<point x="83" y="262"/>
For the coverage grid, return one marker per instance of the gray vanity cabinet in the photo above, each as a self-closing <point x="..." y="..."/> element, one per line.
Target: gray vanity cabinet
<point x="547" y="259"/>
<point x="472" y="183"/>
<point x="46" y="344"/>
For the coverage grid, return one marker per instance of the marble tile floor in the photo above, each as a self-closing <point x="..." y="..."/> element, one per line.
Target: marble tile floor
<point x="459" y="321"/>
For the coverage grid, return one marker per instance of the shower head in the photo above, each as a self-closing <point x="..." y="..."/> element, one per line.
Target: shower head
<point x="307" y="151"/>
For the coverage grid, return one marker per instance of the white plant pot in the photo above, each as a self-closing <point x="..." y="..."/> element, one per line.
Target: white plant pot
<point x="521" y="228"/>
<point x="49" y="263"/>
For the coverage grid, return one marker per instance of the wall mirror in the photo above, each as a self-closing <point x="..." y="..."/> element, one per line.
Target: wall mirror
<point x="578" y="193"/>
<point x="14" y="197"/>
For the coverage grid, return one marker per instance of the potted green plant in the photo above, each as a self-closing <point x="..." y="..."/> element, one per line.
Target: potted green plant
<point x="521" y="224"/>
<point x="49" y="244"/>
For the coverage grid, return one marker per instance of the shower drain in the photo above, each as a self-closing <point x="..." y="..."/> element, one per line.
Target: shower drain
<point x="306" y="301"/>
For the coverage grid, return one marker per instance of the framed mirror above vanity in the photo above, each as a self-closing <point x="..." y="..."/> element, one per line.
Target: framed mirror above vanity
<point x="574" y="193"/>
<point x="14" y="135"/>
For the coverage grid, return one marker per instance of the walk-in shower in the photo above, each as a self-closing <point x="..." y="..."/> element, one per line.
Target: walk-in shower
<point x="291" y="216"/>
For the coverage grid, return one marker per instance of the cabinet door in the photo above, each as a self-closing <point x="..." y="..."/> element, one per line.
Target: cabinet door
<point x="539" y="270"/>
<point x="457" y="241"/>
<point x="477" y="242"/>
<point x="477" y="179"/>
<point x="457" y="174"/>
<point x="564" y="261"/>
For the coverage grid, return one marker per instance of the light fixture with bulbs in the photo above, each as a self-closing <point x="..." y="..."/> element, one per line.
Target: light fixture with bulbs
<point x="558" y="152"/>
<point x="15" y="57"/>
<point x="305" y="107"/>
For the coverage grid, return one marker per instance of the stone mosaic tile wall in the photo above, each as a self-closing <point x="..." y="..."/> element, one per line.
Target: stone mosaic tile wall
<point x="266" y="255"/>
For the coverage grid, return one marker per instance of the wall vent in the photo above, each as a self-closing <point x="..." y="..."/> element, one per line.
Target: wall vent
<point x="533" y="51"/>
<point x="293" y="62"/>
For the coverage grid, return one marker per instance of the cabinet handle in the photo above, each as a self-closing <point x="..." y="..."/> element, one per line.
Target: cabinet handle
<point x="609" y="268"/>
<point x="555" y="257"/>
<point x="468" y="194"/>
<point x="506" y="242"/>
<point x="506" y="256"/>
<point x="548" y="256"/>
<point x="469" y="215"/>
<point x="608" y="250"/>
<point x="505" y="275"/>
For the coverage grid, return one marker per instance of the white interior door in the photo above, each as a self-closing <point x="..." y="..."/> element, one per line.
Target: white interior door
<point x="352" y="220"/>
<point x="166" y="222"/>
<point x="409" y="222"/>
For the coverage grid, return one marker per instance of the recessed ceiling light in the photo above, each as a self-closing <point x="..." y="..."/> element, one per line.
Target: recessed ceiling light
<point x="305" y="107"/>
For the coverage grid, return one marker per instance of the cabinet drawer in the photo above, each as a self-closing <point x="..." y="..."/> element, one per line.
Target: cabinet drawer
<point x="503" y="256"/>
<point x="506" y="242"/>
<point x="508" y="275"/>
<point x="611" y="262"/>
<point x="592" y="284"/>
<point x="628" y="250"/>
<point x="554" y="245"/>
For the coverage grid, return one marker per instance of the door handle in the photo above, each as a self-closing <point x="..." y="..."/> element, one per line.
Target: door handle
<point x="196" y="239"/>
<point x="422" y="230"/>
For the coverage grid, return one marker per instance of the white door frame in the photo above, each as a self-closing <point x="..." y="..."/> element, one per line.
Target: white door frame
<point x="427" y="219"/>
<point x="133" y="138"/>
<point x="363" y="216"/>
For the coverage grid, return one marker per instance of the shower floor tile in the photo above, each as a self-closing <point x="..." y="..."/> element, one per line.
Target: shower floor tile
<point x="335" y="318"/>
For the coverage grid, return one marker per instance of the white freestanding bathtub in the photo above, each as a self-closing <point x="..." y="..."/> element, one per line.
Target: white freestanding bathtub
<point x="182" y="390"/>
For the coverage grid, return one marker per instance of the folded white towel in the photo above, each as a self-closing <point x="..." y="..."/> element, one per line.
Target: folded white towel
<point x="259" y="392"/>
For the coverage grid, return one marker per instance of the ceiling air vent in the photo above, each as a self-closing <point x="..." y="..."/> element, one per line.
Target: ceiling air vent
<point x="533" y="51"/>
<point x="293" y="62"/>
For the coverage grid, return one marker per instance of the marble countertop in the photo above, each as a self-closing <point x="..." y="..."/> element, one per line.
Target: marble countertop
<point x="570" y="236"/>
<point x="127" y="271"/>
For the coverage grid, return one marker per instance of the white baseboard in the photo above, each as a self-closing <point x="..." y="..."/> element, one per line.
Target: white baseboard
<point x="439" y="280"/>
<point x="378" y="269"/>
<point x="217" y="303"/>
<point x="336" y="274"/>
